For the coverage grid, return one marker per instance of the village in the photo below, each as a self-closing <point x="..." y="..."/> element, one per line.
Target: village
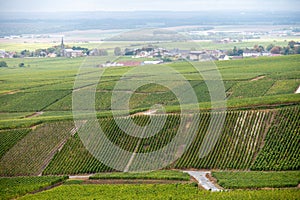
<point x="151" y="54"/>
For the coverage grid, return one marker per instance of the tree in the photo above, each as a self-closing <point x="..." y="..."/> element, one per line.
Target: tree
<point x="235" y="50"/>
<point x="118" y="51"/>
<point x="297" y="50"/>
<point x="51" y="50"/>
<point x="3" y="64"/>
<point x="25" y="53"/>
<point x="276" y="50"/>
<point x="292" y="44"/>
<point x="269" y="47"/>
<point x="103" y="52"/>
<point x="240" y="52"/>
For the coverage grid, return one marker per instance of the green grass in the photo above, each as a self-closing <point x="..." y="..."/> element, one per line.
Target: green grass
<point x="155" y="175"/>
<point x="255" y="179"/>
<point x="12" y="188"/>
<point x="150" y="191"/>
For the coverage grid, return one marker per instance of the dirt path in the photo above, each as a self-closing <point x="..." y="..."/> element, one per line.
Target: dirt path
<point x="257" y="78"/>
<point x="203" y="181"/>
<point x="298" y="90"/>
<point x="35" y="114"/>
<point x="80" y="177"/>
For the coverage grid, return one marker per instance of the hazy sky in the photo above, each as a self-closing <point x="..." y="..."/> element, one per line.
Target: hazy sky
<point x="131" y="5"/>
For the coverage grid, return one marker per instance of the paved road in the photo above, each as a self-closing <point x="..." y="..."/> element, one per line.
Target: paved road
<point x="203" y="181"/>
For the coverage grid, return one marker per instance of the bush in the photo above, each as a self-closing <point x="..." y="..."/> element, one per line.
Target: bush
<point x="3" y="64"/>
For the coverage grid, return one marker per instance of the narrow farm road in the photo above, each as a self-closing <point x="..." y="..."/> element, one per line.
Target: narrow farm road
<point x="80" y="177"/>
<point x="203" y="180"/>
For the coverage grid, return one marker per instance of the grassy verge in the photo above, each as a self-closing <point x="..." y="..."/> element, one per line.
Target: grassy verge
<point x="255" y="179"/>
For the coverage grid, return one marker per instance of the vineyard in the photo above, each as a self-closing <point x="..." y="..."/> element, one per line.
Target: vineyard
<point x="152" y="191"/>
<point x="255" y="179"/>
<point x="31" y="154"/>
<point x="250" y="139"/>
<point x="19" y="186"/>
<point x="261" y="131"/>
<point x="10" y="138"/>
<point x="281" y="149"/>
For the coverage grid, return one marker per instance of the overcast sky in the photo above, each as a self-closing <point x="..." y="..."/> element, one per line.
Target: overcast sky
<point x="132" y="5"/>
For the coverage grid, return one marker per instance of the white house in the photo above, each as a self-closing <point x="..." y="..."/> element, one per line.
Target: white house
<point x="251" y="54"/>
<point x="196" y="55"/>
<point x="156" y="62"/>
<point x="73" y="53"/>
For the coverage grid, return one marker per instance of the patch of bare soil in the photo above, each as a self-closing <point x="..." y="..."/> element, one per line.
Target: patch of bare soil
<point x="35" y="114"/>
<point x="257" y="78"/>
<point x="11" y="92"/>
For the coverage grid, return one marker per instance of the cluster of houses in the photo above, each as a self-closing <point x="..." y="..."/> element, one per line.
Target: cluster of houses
<point x="131" y="63"/>
<point x="153" y="53"/>
<point x="4" y="54"/>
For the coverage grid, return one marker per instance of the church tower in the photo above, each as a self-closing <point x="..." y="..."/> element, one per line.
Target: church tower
<point x="62" y="47"/>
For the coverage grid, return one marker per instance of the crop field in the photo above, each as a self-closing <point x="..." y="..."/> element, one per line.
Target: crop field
<point x="261" y="129"/>
<point x="239" y="146"/>
<point x="12" y="188"/>
<point x="255" y="179"/>
<point x="33" y="152"/>
<point x="151" y="191"/>
<point x="155" y="175"/>
<point x="47" y="84"/>
<point x="283" y="134"/>
<point x="20" y="45"/>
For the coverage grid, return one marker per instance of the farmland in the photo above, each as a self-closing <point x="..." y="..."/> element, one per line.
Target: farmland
<point x="255" y="179"/>
<point x="18" y="186"/>
<point x="260" y="132"/>
<point x="171" y="191"/>
<point x="46" y="85"/>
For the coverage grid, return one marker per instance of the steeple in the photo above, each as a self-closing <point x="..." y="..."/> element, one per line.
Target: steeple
<point x="62" y="45"/>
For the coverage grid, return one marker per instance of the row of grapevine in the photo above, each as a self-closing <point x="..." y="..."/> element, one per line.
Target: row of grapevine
<point x="31" y="154"/>
<point x="74" y="159"/>
<point x="236" y="146"/>
<point x="282" y="144"/>
<point x="9" y="138"/>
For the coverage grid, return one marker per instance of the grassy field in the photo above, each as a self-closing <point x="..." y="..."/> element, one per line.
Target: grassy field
<point x="255" y="179"/>
<point x="110" y="45"/>
<point x="150" y="191"/>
